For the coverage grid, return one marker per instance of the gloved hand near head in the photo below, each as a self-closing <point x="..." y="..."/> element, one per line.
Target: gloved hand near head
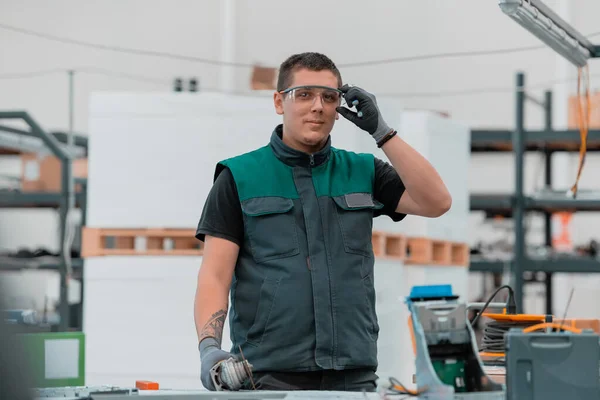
<point x="367" y="116"/>
<point x="210" y="355"/>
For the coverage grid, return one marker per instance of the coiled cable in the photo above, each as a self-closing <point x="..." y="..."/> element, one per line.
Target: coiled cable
<point x="495" y="331"/>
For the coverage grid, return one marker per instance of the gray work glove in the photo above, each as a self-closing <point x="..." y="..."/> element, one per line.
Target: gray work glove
<point x="367" y="117"/>
<point x="210" y="355"/>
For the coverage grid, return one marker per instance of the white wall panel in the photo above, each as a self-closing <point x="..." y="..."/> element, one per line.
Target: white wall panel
<point x="156" y="154"/>
<point x="139" y="321"/>
<point x="446" y="145"/>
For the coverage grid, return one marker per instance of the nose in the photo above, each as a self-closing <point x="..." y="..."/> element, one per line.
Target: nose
<point x="317" y="105"/>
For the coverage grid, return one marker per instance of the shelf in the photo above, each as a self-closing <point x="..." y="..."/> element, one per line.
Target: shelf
<point x="545" y="141"/>
<point x="490" y="140"/>
<point x="501" y="204"/>
<point x="9" y="199"/>
<point x="562" y="204"/>
<point x="45" y="262"/>
<point x="491" y="202"/>
<point x="34" y="139"/>
<point x="16" y="141"/>
<point x="482" y="202"/>
<point x="564" y="264"/>
<point x="500" y="140"/>
<point x="479" y="264"/>
<point x="568" y="264"/>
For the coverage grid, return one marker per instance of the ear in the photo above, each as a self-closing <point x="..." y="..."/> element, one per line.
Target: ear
<point x="337" y="115"/>
<point x="278" y="102"/>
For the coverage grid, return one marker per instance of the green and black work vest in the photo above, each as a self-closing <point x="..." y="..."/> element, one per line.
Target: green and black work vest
<point x="302" y="295"/>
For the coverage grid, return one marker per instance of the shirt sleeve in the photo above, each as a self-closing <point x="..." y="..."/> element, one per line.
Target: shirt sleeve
<point x="388" y="189"/>
<point x="222" y="213"/>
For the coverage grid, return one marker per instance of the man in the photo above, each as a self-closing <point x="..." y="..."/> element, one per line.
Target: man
<point x="287" y="228"/>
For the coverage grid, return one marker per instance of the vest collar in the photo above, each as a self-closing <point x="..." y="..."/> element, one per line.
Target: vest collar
<point x="293" y="157"/>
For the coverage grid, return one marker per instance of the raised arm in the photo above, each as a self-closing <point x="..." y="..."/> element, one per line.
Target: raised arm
<point x="426" y="194"/>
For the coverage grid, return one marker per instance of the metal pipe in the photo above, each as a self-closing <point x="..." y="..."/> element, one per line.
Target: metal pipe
<point x="519" y="199"/>
<point x="67" y="204"/>
<point x="70" y="138"/>
<point x="64" y="262"/>
<point x="228" y="45"/>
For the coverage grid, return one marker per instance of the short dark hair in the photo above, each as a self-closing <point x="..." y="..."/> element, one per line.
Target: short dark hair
<point x="310" y="61"/>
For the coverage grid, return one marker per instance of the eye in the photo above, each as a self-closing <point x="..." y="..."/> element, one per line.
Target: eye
<point x="303" y="93"/>
<point x="330" y="97"/>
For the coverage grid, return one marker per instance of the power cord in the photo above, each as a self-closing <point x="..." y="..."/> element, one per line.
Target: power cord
<point x="511" y="305"/>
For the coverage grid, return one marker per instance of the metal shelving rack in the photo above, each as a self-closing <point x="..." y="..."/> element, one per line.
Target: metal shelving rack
<point x="15" y="141"/>
<point x="517" y="204"/>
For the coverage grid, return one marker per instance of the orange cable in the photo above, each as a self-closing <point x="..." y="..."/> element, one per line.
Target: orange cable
<point x="551" y="325"/>
<point x="583" y="122"/>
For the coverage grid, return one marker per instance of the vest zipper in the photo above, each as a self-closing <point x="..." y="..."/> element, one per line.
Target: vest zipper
<point x="312" y="160"/>
<point x="308" y="262"/>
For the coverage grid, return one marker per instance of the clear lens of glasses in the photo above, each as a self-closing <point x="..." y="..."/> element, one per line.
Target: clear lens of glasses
<point x="308" y="94"/>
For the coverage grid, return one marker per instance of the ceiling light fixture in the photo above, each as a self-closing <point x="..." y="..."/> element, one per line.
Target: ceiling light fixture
<point x="544" y="23"/>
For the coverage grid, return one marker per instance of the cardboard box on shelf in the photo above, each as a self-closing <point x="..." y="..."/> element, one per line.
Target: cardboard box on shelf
<point x="43" y="174"/>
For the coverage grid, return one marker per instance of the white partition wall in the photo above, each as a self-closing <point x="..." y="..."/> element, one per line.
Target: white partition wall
<point x="139" y="321"/>
<point x="446" y="144"/>
<point x="391" y="311"/>
<point x="156" y="153"/>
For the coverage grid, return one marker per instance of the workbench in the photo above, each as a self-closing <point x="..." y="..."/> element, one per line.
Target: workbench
<point x="288" y="395"/>
<point x="165" y="394"/>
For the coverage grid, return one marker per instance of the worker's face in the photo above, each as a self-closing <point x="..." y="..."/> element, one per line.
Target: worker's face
<point x="309" y="111"/>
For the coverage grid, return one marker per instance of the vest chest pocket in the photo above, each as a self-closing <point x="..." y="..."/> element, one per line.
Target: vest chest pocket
<point x="270" y="227"/>
<point x="355" y="216"/>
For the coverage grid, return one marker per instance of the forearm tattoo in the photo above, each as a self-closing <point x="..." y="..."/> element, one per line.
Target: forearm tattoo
<point x="214" y="326"/>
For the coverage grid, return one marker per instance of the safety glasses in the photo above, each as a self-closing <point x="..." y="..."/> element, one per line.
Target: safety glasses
<point x="306" y="95"/>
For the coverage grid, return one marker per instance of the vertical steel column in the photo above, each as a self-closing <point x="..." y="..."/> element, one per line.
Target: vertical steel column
<point x="548" y="182"/>
<point x="518" y="142"/>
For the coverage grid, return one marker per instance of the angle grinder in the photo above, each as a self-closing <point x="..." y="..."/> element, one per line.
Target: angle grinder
<point x="230" y="374"/>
